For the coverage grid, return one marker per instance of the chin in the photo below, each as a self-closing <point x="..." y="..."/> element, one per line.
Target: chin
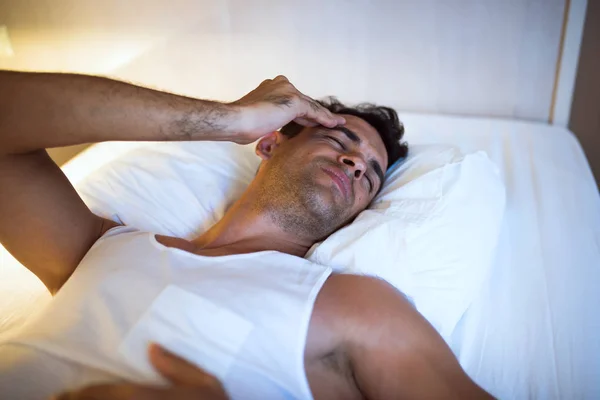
<point x="323" y="205"/>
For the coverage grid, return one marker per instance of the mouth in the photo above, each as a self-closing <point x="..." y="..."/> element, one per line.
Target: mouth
<point x="341" y="180"/>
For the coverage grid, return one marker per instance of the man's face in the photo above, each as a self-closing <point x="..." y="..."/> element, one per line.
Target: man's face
<point x="322" y="178"/>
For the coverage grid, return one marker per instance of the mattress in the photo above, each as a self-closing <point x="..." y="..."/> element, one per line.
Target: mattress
<point x="532" y="332"/>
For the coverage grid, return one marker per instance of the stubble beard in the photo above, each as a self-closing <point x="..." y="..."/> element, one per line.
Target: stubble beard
<point x="295" y="203"/>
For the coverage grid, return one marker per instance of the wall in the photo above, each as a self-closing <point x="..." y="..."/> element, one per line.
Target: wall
<point x="585" y="109"/>
<point x="465" y="57"/>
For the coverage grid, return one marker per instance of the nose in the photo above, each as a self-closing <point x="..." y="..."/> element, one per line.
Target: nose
<point x="354" y="163"/>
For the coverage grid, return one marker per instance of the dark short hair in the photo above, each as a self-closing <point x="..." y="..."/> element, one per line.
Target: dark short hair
<point x="383" y="119"/>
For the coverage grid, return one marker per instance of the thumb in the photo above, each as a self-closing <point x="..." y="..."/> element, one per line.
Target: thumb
<point x="179" y="371"/>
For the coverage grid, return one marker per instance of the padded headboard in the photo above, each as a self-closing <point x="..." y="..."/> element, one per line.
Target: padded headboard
<point x="466" y="57"/>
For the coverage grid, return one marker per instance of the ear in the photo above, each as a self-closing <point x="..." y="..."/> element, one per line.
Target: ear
<point x="267" y="145"/>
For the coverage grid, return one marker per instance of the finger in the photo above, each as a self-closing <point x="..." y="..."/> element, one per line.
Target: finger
<point x="317" y="113"/>
<point x="305" y="122"/>
<point x="340" y="120"/>
<point x="281" y="78"/>
<point x="177" y="370"/>
<point x="315" y="105"/>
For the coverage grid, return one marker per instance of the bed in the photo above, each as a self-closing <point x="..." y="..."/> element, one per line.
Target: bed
<point x="532" y="331"/>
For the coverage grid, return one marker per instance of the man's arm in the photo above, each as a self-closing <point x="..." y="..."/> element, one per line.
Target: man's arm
<point x="42" y="110"/>
<point x="393" y="352"/>
<point x="43" y="222"/>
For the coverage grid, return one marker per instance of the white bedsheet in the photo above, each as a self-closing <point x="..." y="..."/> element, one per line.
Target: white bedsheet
<point x="533" y="332"/>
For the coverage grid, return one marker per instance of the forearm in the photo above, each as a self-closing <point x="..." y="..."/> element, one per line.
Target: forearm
<point x="42" y="110"/>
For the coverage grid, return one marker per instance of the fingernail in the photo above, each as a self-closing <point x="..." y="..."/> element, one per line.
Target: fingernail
<point x="155" y="348"/>
<point x="159" y="350"/>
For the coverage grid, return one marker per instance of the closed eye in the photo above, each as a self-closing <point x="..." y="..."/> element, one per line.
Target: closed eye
<point x="339" y="142"/>
<point x="370" y="183"/>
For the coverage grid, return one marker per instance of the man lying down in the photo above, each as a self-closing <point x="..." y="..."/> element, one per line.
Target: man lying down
<point x="236" y="312"/>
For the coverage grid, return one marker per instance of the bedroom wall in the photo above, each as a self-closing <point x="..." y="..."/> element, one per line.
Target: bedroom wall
<point x="484" y="58"/>
<point x="585" y="109"/>
<point x="464" y="57"/>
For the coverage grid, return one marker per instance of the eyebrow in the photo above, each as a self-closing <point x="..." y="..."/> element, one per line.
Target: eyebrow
<point x="350" y="134"/>
<point x="356" y="139"/>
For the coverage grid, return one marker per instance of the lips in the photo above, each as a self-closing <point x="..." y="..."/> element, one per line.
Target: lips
<point x="341" y="180"/>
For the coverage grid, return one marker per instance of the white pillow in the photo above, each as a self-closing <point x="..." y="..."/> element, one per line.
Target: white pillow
<point x="430" y="232"/>
<point x="178" y="189"/>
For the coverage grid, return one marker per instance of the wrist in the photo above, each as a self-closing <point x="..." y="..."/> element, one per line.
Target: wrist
<point x="242" y="119"/>
<point x="205" y="120"/>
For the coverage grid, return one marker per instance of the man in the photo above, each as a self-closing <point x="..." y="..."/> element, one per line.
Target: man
<point x="238" y="301"/>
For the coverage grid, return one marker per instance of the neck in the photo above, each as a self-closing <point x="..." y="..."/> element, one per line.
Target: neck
<point x="248" y="228"/>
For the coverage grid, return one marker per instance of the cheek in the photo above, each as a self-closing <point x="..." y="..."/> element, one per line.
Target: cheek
<point x="362" y="192"/>
<point x="304" y="150"/>
<point x="362" y="199"/>
<point x="323" y="149"/>
<point x="298" y="157"/>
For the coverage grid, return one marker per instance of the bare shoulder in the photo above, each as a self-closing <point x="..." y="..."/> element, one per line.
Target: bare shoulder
<point x="390" y="349"/>
<point x="344" y="304"/>
<point x="350" y="309"/>
<point x="360" y="298"/>
<point x="359" y="308"/>
<point x="346" y="310"/>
